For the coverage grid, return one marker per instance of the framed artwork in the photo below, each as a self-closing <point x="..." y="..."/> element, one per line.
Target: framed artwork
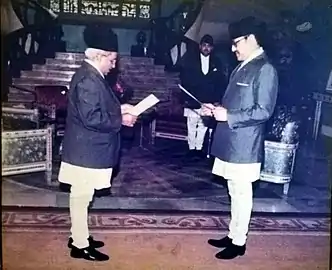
<point x="329" y="83"/>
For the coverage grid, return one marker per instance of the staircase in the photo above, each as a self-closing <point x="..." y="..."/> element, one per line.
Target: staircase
<point x="138" y="73"/>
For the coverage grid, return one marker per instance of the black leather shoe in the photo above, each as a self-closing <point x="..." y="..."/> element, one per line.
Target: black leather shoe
<point x="92" y="243"/>
<point x="221" y="243"/>
<point x="89" y="254"/>
<point x="231" y="252"/>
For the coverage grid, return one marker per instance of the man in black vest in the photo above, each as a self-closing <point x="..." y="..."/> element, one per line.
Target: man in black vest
<point x="238" y="141"/>
<point x="202" y="75"/>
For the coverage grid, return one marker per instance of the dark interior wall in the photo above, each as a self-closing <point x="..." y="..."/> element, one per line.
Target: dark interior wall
<point x="73" y="34"/>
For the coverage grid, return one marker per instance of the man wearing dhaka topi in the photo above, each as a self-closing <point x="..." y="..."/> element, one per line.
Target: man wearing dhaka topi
<point x="238" y="143"/>
<point x="92" y="137"/>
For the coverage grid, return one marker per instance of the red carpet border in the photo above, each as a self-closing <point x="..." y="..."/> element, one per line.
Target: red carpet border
<point x="48" y="219"/>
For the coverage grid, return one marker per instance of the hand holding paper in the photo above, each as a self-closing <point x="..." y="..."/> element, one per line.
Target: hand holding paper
<point x="207" y="109"/>
<point x="125" y="108"/>
<point x="220" y="113"/>
<point x="128" y="119"/>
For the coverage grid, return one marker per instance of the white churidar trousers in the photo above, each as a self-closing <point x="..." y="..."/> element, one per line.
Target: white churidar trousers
<point x="241" y="207"/>
<point x="79" y="200"/>
<point x="240" y="178"/>
<point x="83" y="183"/>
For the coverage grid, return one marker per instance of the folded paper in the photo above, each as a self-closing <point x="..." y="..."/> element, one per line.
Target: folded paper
<point x="144" y="105"/>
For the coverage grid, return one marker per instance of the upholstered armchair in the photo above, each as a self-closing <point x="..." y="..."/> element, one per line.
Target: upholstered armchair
<point x="169" y="121"/>
<point x="51" y="100"/>
<point x="19" y="118"/>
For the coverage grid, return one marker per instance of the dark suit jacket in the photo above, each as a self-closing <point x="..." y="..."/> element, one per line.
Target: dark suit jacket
<point x="93" y="121"/>
<point x="250" y="99"/>
<point x="207" y="88"/>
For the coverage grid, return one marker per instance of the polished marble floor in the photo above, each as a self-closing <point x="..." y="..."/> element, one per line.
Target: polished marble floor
<point x="160" y="177"/>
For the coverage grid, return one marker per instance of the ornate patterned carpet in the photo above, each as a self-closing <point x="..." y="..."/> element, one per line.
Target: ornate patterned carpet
<point x="57" y="219"/>
<point x="35" y="239"/>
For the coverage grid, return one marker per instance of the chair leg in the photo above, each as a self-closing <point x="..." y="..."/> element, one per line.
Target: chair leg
<point x="141" y="134"/>
<point x="48" y="176"/>
<point x="209" y="143"/>
<point x="285" y="189"/>
<point x="153" y="131"/>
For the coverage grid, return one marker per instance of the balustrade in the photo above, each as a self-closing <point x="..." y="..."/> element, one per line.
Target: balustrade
<point x="39" y="38"/>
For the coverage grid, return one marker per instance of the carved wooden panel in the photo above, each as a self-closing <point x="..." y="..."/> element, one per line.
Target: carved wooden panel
<point x="116" y="8"/>
<point x="70" y="6"/>
<point x="55" y="5"/>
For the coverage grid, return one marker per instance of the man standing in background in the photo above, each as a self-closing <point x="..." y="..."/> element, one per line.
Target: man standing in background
<point x="92" y="138"/>
<point x="202" y="75"/>
<point x="238" y="143"/>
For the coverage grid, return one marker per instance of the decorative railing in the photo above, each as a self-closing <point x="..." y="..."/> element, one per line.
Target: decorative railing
<point x="115" y="8"/>
<point x="39" y="38"/>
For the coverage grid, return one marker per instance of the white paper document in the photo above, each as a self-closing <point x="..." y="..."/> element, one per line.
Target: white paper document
<point x="192" y="96"/>
<point x="189" y="94"/>
<point x="144" y="105"/>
